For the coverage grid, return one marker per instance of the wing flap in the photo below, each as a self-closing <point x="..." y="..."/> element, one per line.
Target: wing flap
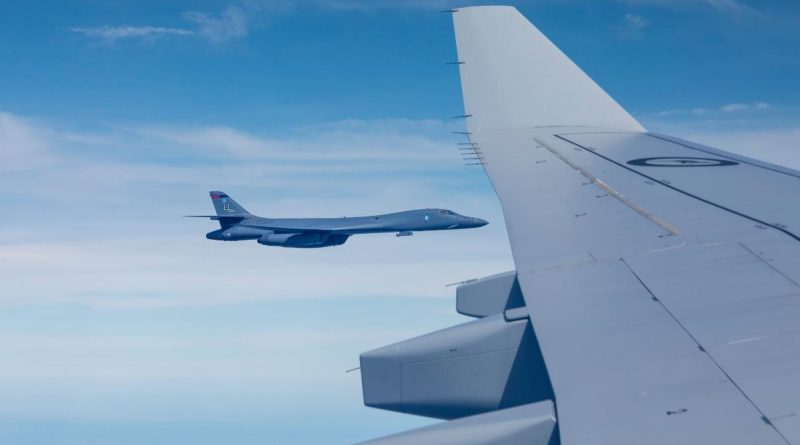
<point x="744" y="312"/>
<point x="531" y="424"/>
<point x="624" y="370"/>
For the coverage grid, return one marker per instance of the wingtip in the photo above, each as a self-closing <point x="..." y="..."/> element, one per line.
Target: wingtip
<point x="514" y="76"/>
<point x="486" y="7"/>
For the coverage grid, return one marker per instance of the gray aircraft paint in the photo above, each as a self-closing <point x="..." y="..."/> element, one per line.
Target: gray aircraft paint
<point x="237" y="224"/>
<point x="657" y="302"/>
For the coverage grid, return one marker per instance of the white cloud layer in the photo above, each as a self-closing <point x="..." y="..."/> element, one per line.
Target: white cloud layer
<point x="115" y="309"/>
<point x="108" y="230"/>
<point x="110" y="34"/>
<point x="22" y="146"/>
<point x="778" y="146"/>
<point x="736" y="107"/>
<point x="636" y="21"/>
<point x="230" y="24"/>
<point x="733" y="8"/>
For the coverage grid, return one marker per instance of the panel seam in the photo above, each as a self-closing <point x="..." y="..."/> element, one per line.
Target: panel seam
<point x="771" y="266"/>
<point x="705" y="351"/>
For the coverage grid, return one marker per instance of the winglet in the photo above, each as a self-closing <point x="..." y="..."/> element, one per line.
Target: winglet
<point x="513" y="76"/>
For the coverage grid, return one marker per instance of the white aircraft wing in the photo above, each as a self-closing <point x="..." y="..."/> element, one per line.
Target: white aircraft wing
<point x="659" y="277"/>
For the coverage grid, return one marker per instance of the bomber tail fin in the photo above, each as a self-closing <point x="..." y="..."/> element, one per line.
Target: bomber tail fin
<point x="225" y="206"/>
<point x="229" y="212"/>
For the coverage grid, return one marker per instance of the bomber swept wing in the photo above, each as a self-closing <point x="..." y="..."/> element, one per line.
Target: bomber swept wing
<point x="656" y="296"/>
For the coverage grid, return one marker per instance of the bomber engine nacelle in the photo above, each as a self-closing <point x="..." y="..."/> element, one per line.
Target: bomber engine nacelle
<point x="234" y="233"/>
<point x="305" y="239"/>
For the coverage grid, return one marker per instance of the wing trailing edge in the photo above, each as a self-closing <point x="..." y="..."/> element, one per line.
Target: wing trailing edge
<point x="532" y="424"/>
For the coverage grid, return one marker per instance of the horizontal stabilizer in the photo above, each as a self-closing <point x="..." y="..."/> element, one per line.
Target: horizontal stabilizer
<point x="214" y="217"/>
<point x="227" y="219"/>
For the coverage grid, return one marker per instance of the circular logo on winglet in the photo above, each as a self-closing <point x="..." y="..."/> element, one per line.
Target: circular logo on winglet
<point x="679" y="161"/>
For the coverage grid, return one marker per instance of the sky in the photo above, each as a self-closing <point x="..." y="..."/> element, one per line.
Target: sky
<point x="120" y="324"/>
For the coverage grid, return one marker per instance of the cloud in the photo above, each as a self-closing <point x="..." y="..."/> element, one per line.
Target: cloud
<point x="778" y="146"/>
<point x="23" y="146"/>
<point x="750" y="129"/>
<point x="636" y="21"/>
<point x="733" y="108"/>
<point x="768" y="17"/>
<point x="273" y="365"/>
<point x="134" y="357"/>
<point x="117" y="196"/>
<point x="374" y="5"/>
<point x="633" y="26"/>
<point x="234" y="20"/>
<point x="231" y="23"/>
<point x="110" y="34"/>
<point x="214" y="139"/>
<point x="116" y="308"/>
<point x="731" y="8"/>
<point x="341" y="141"/>
<point x="728" y="108"/>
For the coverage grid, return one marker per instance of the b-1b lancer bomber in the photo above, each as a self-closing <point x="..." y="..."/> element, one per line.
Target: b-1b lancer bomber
<point x="237" y="224"/>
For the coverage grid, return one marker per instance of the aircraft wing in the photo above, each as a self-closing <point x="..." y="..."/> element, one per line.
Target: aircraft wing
<point x="300" y="227"/>
<point x="658" y="278"/>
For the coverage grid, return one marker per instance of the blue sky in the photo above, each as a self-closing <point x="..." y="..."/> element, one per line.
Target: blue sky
<point x="121" y="324"/>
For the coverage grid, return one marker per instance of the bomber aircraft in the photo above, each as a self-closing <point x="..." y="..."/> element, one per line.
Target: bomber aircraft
<point x="237" y="224"/>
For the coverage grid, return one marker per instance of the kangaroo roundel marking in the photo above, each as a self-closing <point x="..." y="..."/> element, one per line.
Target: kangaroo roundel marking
<point x="681" y="161"/>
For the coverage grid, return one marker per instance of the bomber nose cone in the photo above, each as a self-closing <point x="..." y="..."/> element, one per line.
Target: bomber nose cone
<point x="476" y="222"/>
